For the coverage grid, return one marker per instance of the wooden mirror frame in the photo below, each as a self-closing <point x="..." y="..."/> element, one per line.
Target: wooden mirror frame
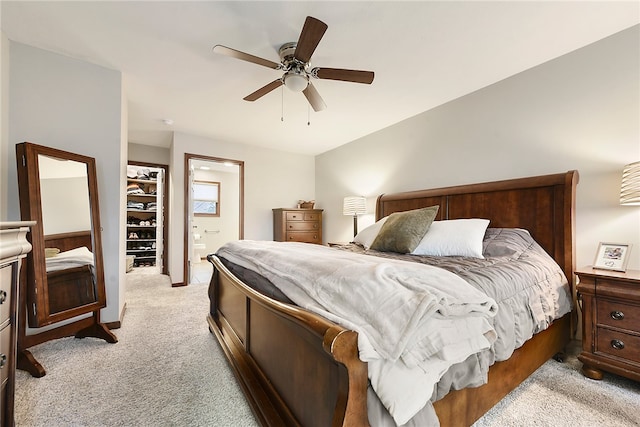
<point x="35" y="293"/>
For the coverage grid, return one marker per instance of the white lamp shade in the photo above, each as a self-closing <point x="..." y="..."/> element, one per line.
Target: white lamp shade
<point x="354" y="205"/>
<point x="630" y="187"/>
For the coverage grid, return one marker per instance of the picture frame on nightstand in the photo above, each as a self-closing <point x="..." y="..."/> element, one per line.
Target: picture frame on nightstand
<point x="612" y="256"/>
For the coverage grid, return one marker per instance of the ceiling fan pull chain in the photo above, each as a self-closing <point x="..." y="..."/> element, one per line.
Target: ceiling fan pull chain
<point x="282" y="104"/>
<point x="308" y="115"/>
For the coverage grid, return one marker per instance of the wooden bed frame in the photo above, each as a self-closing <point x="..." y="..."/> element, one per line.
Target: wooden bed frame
<point x="297" y="368"/>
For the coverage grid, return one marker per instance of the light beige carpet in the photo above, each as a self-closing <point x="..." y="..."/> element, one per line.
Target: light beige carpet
<point x="168" y="370"/>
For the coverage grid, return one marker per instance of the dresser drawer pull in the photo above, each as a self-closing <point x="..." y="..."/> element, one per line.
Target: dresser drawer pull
<point x="3" y="360"/>
<point x="617" y="315"/>
<point x="3" y="296"/>
<point x="617" y="344"/>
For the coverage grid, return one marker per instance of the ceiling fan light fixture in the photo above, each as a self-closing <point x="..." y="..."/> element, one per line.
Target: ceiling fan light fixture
<point x="296" y="81"/>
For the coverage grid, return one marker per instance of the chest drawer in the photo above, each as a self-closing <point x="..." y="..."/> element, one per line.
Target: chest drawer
<point x="5" y="293"/>
<point x="302" y="216"/>
<point x="618" y="315"/>
<point x="302" y="226"/>
<point x="304" y="237"/>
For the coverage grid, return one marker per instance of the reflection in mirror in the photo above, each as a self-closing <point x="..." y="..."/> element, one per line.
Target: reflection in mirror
<point x="64" y="194"/>
<point x="66" y="214"/>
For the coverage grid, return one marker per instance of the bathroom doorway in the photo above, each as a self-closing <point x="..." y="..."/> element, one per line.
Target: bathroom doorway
<point x="214" y="199"/>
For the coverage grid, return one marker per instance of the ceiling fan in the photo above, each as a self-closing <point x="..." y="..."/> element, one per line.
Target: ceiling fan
<point x="295" y="60"/>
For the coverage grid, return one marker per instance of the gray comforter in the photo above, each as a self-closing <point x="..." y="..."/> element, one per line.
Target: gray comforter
<point x="529" y="288"/>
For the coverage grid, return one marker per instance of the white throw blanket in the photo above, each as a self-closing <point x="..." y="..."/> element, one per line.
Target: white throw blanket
<point x="413" y="321"/>
<point x="69" y="259"/>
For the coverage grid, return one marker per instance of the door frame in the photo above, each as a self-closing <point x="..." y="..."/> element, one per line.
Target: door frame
<point x="165" y="212"/>
<point x="187" y="231"/>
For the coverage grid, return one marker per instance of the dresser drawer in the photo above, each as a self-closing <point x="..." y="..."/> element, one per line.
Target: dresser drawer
<point x="618" y="344"/>
<point x="618" y="315"/>
<point x="304" y="237"/>
<point x="5" y="293"/>
<point x="6" y="350"/>
<point x="302" y="226"/>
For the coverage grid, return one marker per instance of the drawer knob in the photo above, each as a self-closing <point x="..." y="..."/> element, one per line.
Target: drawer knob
<point x="3" y="296"/>
<point x="617" y="315"/>
<point x="617" y="344"/>
<point x="3" y="360"/>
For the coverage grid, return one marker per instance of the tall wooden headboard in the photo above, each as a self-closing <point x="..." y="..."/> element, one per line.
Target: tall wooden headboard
<point x="543" y="205"/>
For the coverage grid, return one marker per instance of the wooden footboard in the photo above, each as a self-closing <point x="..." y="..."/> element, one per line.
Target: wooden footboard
<point x="294" y="367"/>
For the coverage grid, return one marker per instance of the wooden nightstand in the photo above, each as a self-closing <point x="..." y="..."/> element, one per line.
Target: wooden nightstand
<point x="610" y="322"/>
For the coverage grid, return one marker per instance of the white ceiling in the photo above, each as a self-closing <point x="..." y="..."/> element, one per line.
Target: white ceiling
<point x="424" y="54"/>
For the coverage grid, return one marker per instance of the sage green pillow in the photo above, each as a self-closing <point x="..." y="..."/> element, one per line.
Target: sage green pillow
<point x="403" y="231"/>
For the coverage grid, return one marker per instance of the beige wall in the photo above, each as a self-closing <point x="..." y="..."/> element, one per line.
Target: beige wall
<point x="580" y="111"/>
<point x="148" y="153"/>
<point x="272" y="179"/>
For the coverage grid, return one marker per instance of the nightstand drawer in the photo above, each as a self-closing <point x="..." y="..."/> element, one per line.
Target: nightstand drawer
<point x="618" y="344"/>
<point x="302" y="226"/>
<point x="618" y="315"/>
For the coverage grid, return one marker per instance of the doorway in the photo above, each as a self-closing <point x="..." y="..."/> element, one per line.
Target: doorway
<point x="148" y="223"/>
<point x="214" y="211"/>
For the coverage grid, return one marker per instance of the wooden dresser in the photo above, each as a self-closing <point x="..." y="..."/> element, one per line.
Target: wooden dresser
<point x="610" y="322"/>
<point x="13" y="247"/>
<point x="297" y="225"/>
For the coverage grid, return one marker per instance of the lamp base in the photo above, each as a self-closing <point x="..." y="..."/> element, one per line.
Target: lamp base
<point x="355" y="225"/>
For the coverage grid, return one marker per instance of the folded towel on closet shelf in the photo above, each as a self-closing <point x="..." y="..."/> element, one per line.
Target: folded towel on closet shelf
<point x="134" y="189"/>
<point x="135" y="205"/>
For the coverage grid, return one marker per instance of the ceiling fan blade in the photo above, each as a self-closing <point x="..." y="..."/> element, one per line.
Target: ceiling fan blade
<point x="314" y="98"/>
<point x="355" y="76"/>
<point x="311" y="34"/>
<point x="223" y="50"/>
<point x="263" y="90"/>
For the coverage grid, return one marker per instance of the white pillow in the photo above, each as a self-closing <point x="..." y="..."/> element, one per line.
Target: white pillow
<point x="368" y="235"/>
<point x="455" y="237"/>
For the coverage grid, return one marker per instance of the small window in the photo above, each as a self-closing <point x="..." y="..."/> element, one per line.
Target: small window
<point x="206" y="198"/>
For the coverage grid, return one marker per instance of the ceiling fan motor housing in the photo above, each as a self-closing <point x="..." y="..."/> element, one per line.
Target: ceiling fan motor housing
<point x="286" y="52"/>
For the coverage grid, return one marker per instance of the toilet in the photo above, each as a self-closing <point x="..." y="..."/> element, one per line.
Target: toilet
<point x="199" y="248"/>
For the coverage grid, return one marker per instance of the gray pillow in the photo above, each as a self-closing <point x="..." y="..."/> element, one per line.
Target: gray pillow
<point x="403" y="231"/>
